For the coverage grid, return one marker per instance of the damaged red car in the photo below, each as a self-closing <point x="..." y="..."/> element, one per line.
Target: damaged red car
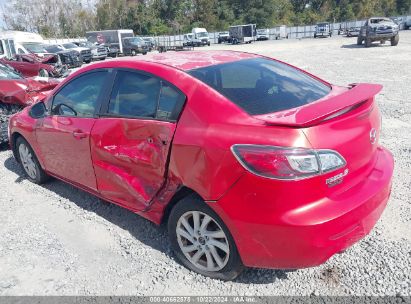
<point x="250" y="161"/>
<point x="30" y="65"/>
<point x="17" y="92"/>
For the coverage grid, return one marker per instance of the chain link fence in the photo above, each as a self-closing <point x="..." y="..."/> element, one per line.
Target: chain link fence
<point x="278" y="32"/>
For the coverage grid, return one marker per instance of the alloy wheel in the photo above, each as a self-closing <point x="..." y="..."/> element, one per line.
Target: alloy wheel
<point x="26" y="158"/>
<point x="202" y="241"/>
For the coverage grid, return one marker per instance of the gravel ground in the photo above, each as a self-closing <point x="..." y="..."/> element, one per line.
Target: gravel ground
<point x="58" y="240"/>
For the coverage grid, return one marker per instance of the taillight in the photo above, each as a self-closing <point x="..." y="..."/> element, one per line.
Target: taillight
<point x="287" y="163"/>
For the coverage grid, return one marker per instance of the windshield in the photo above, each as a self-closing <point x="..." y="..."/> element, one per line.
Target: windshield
<point x="35" y="47"/>
<point x="262" y="86"/>
<point x="202" y="34"/>
<point x="136" y="40"/>
<point x="378" y="20"/>
<point x="70" y="46"/>
<point x="87" y="44"/>
<point x="54" y="48"/>
<point x="8" y="73"/>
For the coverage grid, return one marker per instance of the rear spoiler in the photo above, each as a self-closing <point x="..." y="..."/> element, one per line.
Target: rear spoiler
<point x="338" y="102"/>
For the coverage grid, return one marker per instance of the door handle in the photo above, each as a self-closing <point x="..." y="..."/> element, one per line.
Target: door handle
<point x="78" y="134"/>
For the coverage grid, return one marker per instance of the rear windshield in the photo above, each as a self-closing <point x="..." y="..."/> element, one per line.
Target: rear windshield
<point x="262" y="86"/>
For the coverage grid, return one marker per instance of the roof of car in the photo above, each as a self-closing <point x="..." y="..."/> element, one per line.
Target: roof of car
<point x="188" y="60"/>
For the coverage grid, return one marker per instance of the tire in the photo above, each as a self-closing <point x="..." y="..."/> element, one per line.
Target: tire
<point x="359" y="40"/>
<point x="395" y="40"/>
<point x="144" y="53"/>
<point x="315" y="36"/>
<point x="229" y="265"/>
<point x="87" y="61"/>
<point x="133" y="53"/>
<point x="43" y="73"/>
<point x="29" y="162"/>
<point x="368" y="42"/>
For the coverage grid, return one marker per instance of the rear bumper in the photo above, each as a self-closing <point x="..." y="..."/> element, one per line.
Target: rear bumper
<point x="271" y="236"/>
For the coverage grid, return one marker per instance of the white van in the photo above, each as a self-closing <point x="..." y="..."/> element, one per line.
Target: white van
<point x="25" y="42"/>
<point x="200" y="36"/>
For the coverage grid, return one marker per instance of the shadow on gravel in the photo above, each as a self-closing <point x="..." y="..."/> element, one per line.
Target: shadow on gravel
<point x="352" y="46"/>
<point x="140" y="228"/>
<point x="356" y="46"/>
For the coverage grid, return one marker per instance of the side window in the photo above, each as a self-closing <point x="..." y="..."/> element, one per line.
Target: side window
<point x="80" y="96"/>
<point x="134" y="95"/>
<point x="170" y="103"/>
<point x="20" y="51"/>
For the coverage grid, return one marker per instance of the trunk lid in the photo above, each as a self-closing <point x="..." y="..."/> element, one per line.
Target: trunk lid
<point x="339" y="101"/>
<point x="347" y="121"/>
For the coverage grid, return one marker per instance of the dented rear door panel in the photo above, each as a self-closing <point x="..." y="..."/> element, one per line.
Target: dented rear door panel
<point x="130" y="159"/>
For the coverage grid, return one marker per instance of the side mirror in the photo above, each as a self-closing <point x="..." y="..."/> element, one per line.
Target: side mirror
<point x="38" y="110"/>
<point x="64" y="110"/>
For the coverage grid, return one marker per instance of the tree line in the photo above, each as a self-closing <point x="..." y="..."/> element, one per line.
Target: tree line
<point x="72" y="18"/>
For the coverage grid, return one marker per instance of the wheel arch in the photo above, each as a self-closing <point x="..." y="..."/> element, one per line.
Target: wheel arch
<point x="181" y="193"/>
<point x="13" y="147"/>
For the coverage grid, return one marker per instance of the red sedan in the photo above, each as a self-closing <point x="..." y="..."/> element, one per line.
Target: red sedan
<point x="250" y="161"/>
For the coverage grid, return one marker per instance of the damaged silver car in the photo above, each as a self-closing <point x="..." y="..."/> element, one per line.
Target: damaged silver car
<point x="379" y="29"/>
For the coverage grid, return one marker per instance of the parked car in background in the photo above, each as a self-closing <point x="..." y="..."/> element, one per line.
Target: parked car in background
<point x="379" y="29"/>
<point x="98" y="52"/>
<point x="134" y="45"/>
<point x="323" y="29"/>
<point x="17" y="92"/>
<point x="30" y="65"/>
<point x="188" y="40"/>
<point x="85" y="52"/>
<point x="223" y="37"/>
<point x="71" y="58"/>
<point x="151" y="43"/>
<point x="263" y="34"/>
<point x="353" y="32"/>
<point x="220" y="173"/>
<point x="200" y="36"/>
<point x="242" y="33"/>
